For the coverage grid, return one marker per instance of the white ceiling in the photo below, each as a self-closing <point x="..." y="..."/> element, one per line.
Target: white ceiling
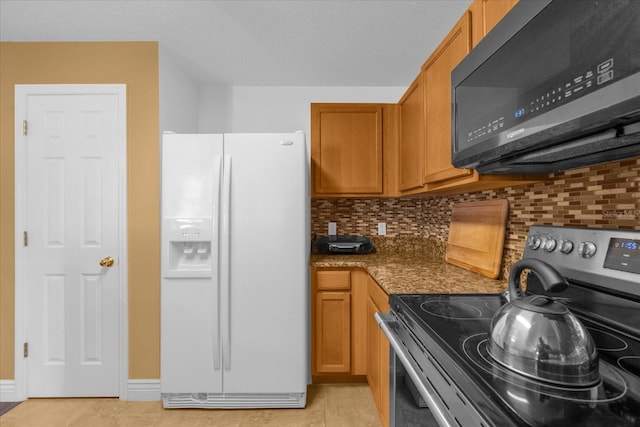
<point x="258" y="42"/>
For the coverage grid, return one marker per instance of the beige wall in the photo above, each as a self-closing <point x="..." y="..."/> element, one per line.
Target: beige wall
<point x="136" y="65"/>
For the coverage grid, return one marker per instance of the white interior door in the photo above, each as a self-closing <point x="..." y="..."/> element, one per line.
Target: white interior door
<point x="71" y="217"/>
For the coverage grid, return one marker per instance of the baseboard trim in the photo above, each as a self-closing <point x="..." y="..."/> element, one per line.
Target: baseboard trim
<point x="8" y="392"/>
<point x="143" y="390"/>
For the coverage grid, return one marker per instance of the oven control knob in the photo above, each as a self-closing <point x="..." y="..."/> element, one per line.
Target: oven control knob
<point x="587" y="249"/>
<point x="549" y="244"/>
<point x="566" y="246"/>
<point x="534" y="242"/>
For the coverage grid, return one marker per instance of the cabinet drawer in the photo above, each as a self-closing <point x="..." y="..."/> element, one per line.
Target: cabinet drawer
<point x="333" y="280"/>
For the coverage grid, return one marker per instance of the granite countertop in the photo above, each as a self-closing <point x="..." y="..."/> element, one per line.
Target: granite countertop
<point x="401" y="271"/>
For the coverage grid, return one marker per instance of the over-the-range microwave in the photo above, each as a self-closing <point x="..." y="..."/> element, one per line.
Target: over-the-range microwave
<point x="554" y="86"/>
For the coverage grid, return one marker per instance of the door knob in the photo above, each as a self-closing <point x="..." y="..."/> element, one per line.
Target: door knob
<point x="107" y="262"/>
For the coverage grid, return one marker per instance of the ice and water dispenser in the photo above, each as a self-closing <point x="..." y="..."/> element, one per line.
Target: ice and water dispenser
<point x="189" y="247"/>
<point x="191" y="169"/>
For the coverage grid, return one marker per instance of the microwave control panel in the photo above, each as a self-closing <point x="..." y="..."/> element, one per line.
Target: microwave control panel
<point x="540" y="101"/>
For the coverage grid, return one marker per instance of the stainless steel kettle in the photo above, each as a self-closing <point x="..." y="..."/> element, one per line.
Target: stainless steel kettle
<point x="540" y="338"/>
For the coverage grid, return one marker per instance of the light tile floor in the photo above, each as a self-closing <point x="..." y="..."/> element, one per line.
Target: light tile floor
<point x="330" y="405"/>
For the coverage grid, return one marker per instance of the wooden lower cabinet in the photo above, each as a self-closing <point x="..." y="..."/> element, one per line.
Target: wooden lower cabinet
<point x="346" y="343"/>
<point x="378" y="350"/>
<point x="331" y="322"/>
<point x="359" y="280"/>
<point x="333" y="332"/>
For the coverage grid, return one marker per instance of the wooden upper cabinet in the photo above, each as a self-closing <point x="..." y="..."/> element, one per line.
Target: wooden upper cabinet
<point x="440" y="175"/>
<point x="424" y="143"/>
<point x="411" y="140"/>
<point x="346" y="149"/>
<point x="437" y="82"/>
<point x="485" y="14"/>
<point x="494" y="11"/>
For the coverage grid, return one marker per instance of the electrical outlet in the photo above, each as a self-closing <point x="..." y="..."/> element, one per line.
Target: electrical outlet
<point x="332" y="229"/>
<point x="382" y="229"/>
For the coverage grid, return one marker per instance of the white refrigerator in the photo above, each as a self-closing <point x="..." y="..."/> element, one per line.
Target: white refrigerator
<point x="235" y="256"/>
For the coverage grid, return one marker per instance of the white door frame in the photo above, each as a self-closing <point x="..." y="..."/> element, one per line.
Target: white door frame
<point x="21" y="91"/>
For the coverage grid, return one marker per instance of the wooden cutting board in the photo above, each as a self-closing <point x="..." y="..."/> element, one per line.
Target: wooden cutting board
<point x="476" y="236"/>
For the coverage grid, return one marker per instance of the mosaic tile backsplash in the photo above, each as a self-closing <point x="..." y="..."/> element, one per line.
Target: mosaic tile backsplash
<point x="602" y="196"/>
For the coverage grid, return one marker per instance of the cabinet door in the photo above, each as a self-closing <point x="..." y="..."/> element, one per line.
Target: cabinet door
<point x="374" y="362"/>
<point x="333" y="332"/>
<point x="476" y="9"/>
<point x="485" y="14"/>
<point x="346" y="148"/>
<point x="437" y="80"/>
<point x="494" y="11"/>
<point x="359" y="293"/>
<point x="378" y="351"/>
<point x="411" y="143"/>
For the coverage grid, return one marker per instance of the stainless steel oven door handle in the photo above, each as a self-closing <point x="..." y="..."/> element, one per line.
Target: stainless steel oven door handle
<point x="426" y="391"/>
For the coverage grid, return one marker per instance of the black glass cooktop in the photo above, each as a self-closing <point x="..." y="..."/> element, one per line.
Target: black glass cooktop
<point x="454" y="328"/>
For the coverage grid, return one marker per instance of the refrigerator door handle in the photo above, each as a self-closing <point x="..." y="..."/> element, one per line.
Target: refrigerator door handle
<point x="215" y="292"/>
<point x="225" y="264"/>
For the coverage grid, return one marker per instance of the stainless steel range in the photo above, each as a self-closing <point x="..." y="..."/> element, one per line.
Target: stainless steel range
<point x="443" y="372"/>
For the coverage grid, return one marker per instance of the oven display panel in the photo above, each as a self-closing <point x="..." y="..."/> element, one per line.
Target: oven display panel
<point x="623" y="254"/>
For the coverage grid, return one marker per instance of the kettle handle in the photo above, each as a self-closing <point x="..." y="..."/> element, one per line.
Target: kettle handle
<point x="551" y="280"/>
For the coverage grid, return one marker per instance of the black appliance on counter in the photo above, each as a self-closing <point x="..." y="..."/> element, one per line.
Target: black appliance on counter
<point x="554" y="86"/>
<point x="443" y="374"/>
<point x="334" y="245"/>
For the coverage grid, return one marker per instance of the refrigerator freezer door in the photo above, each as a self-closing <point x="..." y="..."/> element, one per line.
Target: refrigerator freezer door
<point x="266" y="318"/>
<point x="190" y="328"/>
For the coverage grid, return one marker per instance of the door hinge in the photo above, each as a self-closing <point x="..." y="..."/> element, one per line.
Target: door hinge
<point x="25" y="239"/>
<point x="25" y="350"/>
<point x="24" y="127"/>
